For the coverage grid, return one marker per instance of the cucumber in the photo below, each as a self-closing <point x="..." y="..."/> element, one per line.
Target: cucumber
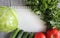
<point x="31" y="35"/>
<point x="25" y="35"/>
<point x="20" y="33"/>
<point x="14" y="33"/>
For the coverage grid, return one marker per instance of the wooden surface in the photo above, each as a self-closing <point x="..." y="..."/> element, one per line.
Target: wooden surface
<point x="11" y="2"/>
<point x="4" y="2"/>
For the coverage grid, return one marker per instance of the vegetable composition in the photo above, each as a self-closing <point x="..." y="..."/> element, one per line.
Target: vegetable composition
<point x="47" y="10"/>
<point x="8" y="20"/>
<point x="21" y="34"/>
<point x="52" y="33"/>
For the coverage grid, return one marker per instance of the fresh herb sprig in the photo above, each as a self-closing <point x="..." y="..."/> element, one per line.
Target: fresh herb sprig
<point x="41" y="5"/>
<point x="55" y="22"/>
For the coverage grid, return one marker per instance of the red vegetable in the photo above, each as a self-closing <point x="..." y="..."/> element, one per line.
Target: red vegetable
<point x="53" y="33"/>
<point x="59" y="34"/>
<point x="39" y="35"/>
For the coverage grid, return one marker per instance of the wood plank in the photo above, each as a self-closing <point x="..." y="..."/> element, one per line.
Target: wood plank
<point x="17" y="2"/>
<point x="4" y="2"/>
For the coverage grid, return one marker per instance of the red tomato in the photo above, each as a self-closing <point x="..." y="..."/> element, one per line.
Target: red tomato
<point x="59" y="34"/>
<point x="53" y="33"/>
<point x="39" y="35"/>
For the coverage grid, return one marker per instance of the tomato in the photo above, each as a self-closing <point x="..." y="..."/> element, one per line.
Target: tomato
<point x="53" y="33"/>
<point x="59" y="34"/>
<point x="39" y="35"/>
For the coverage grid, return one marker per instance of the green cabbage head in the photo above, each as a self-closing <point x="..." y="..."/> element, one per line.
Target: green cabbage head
<point x="8" y="20"/>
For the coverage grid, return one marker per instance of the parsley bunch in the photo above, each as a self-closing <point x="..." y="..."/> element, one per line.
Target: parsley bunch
<point x="47" y="10"/>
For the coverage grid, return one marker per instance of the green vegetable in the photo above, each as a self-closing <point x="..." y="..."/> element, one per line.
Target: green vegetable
<point x="25" y="35"/>
<point x="41" y="5"/>
<point x="14" y="33"/>
<point x="42" y="8"/>
<point x="20" y="33"/>
<point x="8" y="20"/>
<point x="59" y="1"/>
<point x="52" y="18"/>
<point x="55" y="22"/>
<point x="47" y="10"/>
<point x="31" y="35"/>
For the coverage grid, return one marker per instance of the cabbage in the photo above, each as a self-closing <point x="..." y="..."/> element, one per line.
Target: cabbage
<point x="8" y="20"/>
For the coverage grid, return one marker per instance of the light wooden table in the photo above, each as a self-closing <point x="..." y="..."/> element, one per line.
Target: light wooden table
<point x="11" y="2"/>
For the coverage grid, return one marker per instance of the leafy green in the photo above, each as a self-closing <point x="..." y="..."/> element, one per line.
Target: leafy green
<point x="55" y="22"/>
<point x="48" y="11"/>
<point x="41" y="5"/>
<point x="8" y="20"/>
